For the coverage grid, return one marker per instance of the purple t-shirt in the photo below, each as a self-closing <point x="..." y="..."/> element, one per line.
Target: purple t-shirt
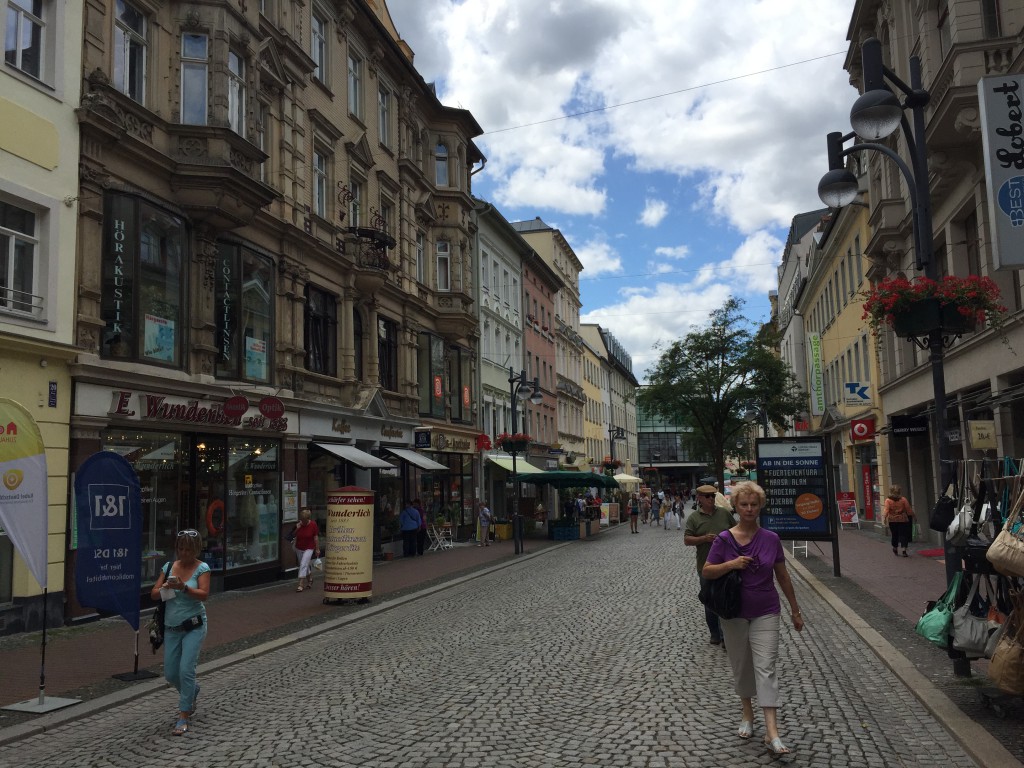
<point x="760" y="598"/>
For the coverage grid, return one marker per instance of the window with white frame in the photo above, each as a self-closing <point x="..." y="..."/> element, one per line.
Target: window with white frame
<point x="421" y="255"/>
<point x="444" y="266"/>
<point x="318" y="46"/>
<point x="355" y="85"/>
<point x="384" y="115"/>
<point x="357" y="188"/>
<point x="195" y="67"/>
<point x="387" y="213"/>
<point x="515" y="294"/>
<point x="262" y="141"/>
<point x="130" y="51"/>
<point x="505" y="286"/>
<point x="320" y="183"/>
<point x="236" y="93"/>
<point x="19" y="252"/>
<point x="26" y="39"/>
<point x="483" y="275"/>
<point x="441" y="165"/>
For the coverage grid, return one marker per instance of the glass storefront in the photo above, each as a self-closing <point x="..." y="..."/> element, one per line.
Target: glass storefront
<point x="228" y="488"/>
<point x="448" y="496"/>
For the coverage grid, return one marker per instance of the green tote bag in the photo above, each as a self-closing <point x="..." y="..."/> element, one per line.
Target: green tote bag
<point x="937" y="622"/>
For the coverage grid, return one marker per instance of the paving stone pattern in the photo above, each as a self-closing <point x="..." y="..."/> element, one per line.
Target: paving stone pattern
<point x="594" y="654"/>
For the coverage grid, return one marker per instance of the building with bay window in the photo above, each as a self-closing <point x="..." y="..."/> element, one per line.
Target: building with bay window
<point x="275" y="280"/>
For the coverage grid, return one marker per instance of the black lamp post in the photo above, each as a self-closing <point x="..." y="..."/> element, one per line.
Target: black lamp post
<point x="614" y="433"/>
<point x="519" y="389"/>
<point x="876" y="114"/>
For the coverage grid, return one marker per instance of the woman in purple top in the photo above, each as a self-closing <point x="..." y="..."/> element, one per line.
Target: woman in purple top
<point x="752" y="638"/>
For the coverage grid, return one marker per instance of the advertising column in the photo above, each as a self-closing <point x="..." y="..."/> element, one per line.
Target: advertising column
<point x="348" y="567"/>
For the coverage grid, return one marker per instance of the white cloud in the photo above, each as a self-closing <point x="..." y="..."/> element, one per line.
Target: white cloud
<point x="597" y="257"/>
<point x="752" y="266"/>
<point x="673" y="252"/>
<point x="654" y="212"/>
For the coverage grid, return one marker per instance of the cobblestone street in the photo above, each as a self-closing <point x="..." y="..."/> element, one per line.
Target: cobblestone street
<point x="590" y="654"/>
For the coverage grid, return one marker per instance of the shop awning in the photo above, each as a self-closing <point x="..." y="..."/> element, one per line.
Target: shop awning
<point x="357" y="457"/>
<point x="416" y="459"/>
<point x="523" y="467"/>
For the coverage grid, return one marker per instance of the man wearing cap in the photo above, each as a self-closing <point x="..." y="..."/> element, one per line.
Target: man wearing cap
<point x="701" y="529"/>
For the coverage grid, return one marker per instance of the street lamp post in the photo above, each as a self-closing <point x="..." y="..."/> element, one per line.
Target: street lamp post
<point x="614" y="433"/>
<point x="876" y="114"/>
<point x="519" y="389"/>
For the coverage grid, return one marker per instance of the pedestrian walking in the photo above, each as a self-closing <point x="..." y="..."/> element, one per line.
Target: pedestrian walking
<point x="484" y="516"/>
<point x="702" y="527"/>
<point x="409" y="522"/>
<point x="634" y="513"/>
<point x="752" y="638"/>
<point x="307" y="546"/>
<point x="645" y="509"/>
<point x="421" y="534"/>
<point x="184" y="584"/>
<point x="898" y="515"/>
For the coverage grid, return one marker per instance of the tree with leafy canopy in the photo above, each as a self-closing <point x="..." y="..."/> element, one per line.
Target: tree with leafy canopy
<point x="709" y="379"/>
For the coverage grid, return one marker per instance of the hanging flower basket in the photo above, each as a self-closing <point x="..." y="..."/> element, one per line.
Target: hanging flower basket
<point x="914" y="308"/>
<point x="513" y="443"/>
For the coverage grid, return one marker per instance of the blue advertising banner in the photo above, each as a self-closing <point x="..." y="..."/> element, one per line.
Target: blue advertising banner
<point x="108" y="568"/>
<point x="793" y="473"/>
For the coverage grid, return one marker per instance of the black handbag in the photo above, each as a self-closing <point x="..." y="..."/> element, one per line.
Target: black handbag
<point x="723" y="596"/>
<point x="942" y="513"/>
<point x="156" y="623"/>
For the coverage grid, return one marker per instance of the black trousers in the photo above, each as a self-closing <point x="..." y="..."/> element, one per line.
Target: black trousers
<point x="409" y="542"/>
<point x="421" y="540"/>
<point x="900" y="533"/>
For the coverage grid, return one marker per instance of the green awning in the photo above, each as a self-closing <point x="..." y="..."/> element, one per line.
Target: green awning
<point x="570" y="479"/>
<point x="523" y="467"/>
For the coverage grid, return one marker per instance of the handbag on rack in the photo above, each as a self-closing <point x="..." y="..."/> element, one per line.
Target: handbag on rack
<point x="943" y="512"/>
<point x="1006" y="671"/>
<point x="936" y="622"/>
<point x="971" y="630"/>
<point x="1006" y="553"/>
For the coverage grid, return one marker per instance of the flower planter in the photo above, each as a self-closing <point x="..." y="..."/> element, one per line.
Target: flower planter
<point x="926" y="315"/>
<point x="514" y="446"/>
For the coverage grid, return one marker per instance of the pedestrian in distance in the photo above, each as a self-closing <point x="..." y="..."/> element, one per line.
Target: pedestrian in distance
<point x="184" y="585"/>
<point x="634" y="513"/>
<point x="421" y="535"/>
<point x="898" y="515"/>
<point x="307" y="546"/>
<point x="702" y="527"/>
<point x="484" y="516"/>
<point x="645" y="509"/>
<point x="409" y="522"/>
<point x="752" y="638"/>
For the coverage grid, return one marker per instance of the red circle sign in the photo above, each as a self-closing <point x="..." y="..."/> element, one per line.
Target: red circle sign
<point x="860" y="429"/>
<point x="271" y="407"/>
<point x="236" y="406"/>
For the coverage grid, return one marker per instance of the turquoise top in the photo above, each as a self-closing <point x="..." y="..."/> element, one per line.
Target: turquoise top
<point x="183" y="606"/>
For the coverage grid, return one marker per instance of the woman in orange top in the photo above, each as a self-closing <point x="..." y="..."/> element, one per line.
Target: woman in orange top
<point x="897" y="514"/>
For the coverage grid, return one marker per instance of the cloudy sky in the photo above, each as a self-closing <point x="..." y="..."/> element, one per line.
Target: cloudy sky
<point x="671" y="141"/>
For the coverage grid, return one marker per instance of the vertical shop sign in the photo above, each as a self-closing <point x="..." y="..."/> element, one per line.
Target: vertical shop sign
<point x="118" y="307"/>
<point x="816" y="382"/>
<point x="108" y="566"/>
<point x="868" y="489"/>
<point x="792" y="472"/>
<point x="348" y="567"/>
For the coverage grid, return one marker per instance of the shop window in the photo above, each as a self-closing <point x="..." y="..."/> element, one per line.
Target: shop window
<point x="144" y="262"/>
<point x="321" y="332"/>
<point x="161" y="463"/>
<point x="252" y="505"/>
<point x="244" y="313"/>
<point x="430" y="375"/>
<point x="130" y="51"/>
<point x="387" y="353"/>
<point x="195" y="68"/>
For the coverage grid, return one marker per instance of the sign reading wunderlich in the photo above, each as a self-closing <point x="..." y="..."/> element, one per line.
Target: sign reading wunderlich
<point x="793" y="473"/>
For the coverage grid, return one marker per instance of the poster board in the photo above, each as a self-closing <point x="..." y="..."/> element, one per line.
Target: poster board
<point x="348" y="566"/>
<point x="794" y="474"/>
<point x="846" y="504"/>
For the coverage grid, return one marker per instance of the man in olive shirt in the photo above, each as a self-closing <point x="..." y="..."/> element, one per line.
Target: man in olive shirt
<point x="701" y="529"/>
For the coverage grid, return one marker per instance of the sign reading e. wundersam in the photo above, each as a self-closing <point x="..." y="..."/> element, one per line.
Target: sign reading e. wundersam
<point x="1002" y="130"/>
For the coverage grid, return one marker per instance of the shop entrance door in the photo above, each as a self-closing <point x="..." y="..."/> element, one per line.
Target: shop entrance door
<point x="208" y="507"/>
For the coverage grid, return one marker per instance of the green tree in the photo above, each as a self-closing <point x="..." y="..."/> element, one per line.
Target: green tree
<point x="710" y="378"/>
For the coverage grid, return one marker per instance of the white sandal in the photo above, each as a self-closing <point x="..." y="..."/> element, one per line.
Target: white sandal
<point x="746" y="729"/>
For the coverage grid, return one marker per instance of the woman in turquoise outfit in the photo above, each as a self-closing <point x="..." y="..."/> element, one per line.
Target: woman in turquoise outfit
<point x="184" y="585"/>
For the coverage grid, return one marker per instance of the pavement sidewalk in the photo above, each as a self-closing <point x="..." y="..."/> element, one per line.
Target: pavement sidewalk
<point x="81" y="659"/>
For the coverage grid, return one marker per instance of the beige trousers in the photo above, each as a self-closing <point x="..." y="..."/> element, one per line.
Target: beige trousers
<point x="753" y="649"/>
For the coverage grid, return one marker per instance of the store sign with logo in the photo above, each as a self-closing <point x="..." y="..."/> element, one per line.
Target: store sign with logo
<point x="1002" y="132"/>
<point x="862" y="429"/>
<point x="154" y="408"/>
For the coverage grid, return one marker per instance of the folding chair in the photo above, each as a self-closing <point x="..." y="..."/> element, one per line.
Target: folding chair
<point x="444" y="537"/>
